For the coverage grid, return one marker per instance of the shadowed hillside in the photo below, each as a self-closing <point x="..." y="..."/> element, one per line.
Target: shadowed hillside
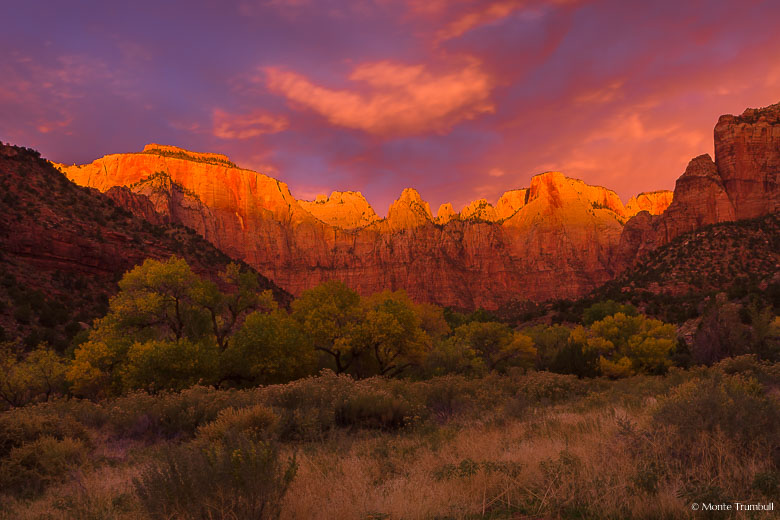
<point x="740" y="259"/>
<point x="63" y="248"/>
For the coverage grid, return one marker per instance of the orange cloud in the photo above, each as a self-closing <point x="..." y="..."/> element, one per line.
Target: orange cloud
<point x="400" y="99"/>
<point x="494" y="11"/>
<point x="230" y="126"/>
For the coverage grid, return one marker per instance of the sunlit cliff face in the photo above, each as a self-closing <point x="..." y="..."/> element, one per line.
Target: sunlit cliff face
<point x="461" y="99"/>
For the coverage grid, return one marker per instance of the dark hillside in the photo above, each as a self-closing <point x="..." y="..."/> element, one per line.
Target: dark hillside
<point x="63" y="248"/>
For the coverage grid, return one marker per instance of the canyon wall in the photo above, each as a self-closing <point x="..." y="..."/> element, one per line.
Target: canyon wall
<point x="742" y="182"/>
<point x="557" y="238"/>
<point x="554" y="239"/>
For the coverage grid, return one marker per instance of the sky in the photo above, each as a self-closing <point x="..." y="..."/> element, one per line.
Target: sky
<point x="460" y="99"/>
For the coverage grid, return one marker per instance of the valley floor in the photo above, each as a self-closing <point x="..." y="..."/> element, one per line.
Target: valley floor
<point x="535" y="445"/>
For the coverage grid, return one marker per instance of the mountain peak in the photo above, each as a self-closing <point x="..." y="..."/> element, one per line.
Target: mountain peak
<point x="409" y="211"/>
<point x="445" y="213"/>
<point x="343" y="209"/>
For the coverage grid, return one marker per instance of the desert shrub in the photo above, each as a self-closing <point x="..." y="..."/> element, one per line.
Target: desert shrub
<point x="235" y="478"/>
<point x="25" y="425"/>
<point x="446" y="396"/>
<point x="30" y="468"/>
<point x="566" y="487"/>
<point x="749" y="366"/>
<point x="467" y="468"/>
<point x="735" y="405"/>
<point x="257" y="422"/>
<point x="170" y="414"/>
<point x="549" y="387"/>
<point x="307" y="407"/>
<point x="374" y="408"/>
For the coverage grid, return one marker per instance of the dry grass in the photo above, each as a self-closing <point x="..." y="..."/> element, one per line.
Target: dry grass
<point x="590" y="456"/>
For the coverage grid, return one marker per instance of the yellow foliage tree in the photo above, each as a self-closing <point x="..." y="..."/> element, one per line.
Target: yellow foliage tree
<point x="629" y="344"/>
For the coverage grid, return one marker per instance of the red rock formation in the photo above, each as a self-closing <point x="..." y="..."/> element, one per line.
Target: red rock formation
<point x="72" y="244"/>
<point x="559" y="238"/>
<point x="137" y="204"/>
<point x="343" y="209"/>
<point x="445" y="213"/>
<point x="479" y="209"/>
<point x="654" y="202"/>
<point x="742" y="182"/>
<point x="408" y="211"/>
<point x="509" y="203"/>
<point x="555" y="245"/>
<point x="747" y="152"/>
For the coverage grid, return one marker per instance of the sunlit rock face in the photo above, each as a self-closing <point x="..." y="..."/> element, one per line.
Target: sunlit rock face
<point x="742" y="182"/>
<point x="479" y="209"/>
<point x="558" y="238"/>
<point x="343" y="209"/>
<point x="546" y="241"/>
<point x="445" y="213"/>
<point x="747" y="152"/>
<point x="408" y="211"/>
<point x="654" y="202"/>
<point x="509" y="203"/>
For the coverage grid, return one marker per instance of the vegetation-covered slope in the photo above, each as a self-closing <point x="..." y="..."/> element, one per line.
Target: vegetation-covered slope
<point x="674" y="282"/>
<point x="63" y="248"/>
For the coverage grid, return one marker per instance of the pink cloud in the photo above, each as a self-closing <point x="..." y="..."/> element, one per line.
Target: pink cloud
<point x="396" y="99"/>
<point x="482" y="15"/>
<point x="244" y="126"/>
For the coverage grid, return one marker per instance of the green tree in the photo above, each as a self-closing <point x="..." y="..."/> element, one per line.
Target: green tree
<point x="166" y="328"/>
<point x="158" y="300"/>
<point x="269" y="348"/>
<point x="170" y="365"/>
<point x="549" y="341"/>
<point x="449" y="356"/>
<point x="721" y="333"/>
<point x="329" y="315"/>
<point x="764" y="333"/>
<point x="91" y="373"/>
<point x="599" y="311"/>
<point x="227" y="310"/>
<point x="37" y="375"/>
<point x="390" y="334"/>
<point x="497" y="344"/>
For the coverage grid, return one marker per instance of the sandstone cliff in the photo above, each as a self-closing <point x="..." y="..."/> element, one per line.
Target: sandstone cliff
<point x="742" y="182"/>
<point x="654" y="202"/>
<point x="63" y="247"/>
<point x="343" y="209"/>
<point x="560" y="237"/>
<point x="554" y="239"/>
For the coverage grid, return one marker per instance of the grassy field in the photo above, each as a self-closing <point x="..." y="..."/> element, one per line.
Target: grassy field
<point x="523" y="445"/>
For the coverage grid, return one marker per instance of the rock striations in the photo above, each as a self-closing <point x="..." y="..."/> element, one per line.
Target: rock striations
<point x="558" y="238"/>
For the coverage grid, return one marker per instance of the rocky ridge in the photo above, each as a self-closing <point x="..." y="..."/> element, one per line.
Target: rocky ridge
<point x="558" y="238"/>
<point x="554" y="239"/>
<point x="742" y="182"/>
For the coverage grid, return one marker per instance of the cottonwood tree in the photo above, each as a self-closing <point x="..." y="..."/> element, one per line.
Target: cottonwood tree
<point x="329" y="315"/>
<point x="391" y="334"/>
<point x="628" y="344"/>
<point x="497" y="344"/>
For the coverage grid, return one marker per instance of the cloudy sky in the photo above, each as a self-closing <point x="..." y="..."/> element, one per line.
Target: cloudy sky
<point x="460" y="99"/>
